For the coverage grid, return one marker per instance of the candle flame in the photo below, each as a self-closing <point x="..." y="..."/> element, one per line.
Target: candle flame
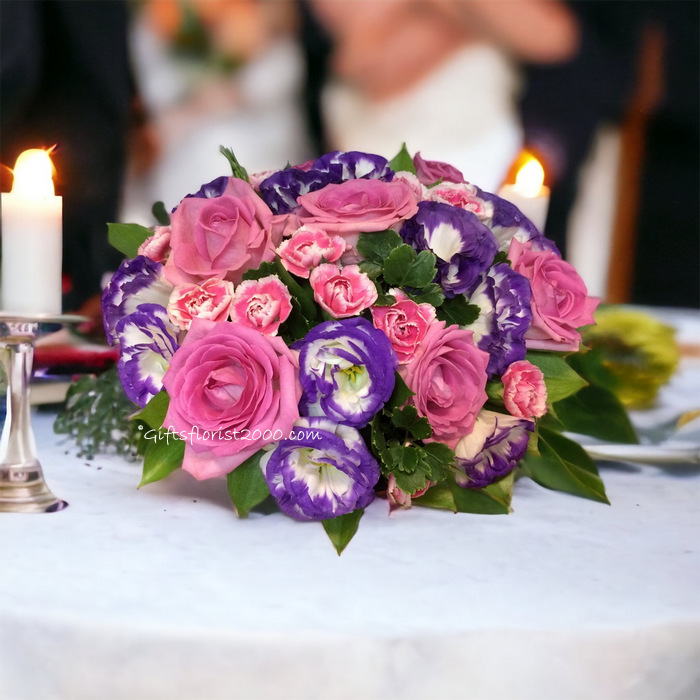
<point x="33" y="174"/>
<point x="530" y="178"/>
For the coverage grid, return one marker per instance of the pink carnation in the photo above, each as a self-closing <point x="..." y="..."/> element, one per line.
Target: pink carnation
<point x="262" y="304"/>
<point x="308" y="248"/>
<point x="448" y="379"/>
<point x="342" y="292"/>
<point x="210" y="300"/>
<point x="560" y="302"/>
<point x="157" y="246"/>
<point x="405" y="324"/>
<point x="524" y="391"/>
<point x="220" y="236"/>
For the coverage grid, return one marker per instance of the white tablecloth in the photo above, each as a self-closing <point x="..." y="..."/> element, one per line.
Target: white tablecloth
<point x="162" y="593"/>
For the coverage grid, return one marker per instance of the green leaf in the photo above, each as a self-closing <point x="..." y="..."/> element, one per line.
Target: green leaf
<point x="493" y="499"/>
<point x="402" y="161"/>
<point x="377" y="434"/>
<point x="385" y="300"/>
<point x="127" y="238"/>
<point x="237" y="170"/>
<point x="300" y="291"/>
<point x="163" y="456"/>
<point x="265" y="269"/>
<point x="438" y="457"/>
<point x="375" y="247"/>
<point x="459" y="311"/>
<point x="430" y="294"/>
<point x="342" y="528"/>
<point x="403" y="268"/>
<point x="399" y="395"/>
<point x="438" y="496"/>
<point x="247" y="486"/>
<point x="371" y="268"/>
<point x="154" y="411"/>
<point x="408" y="419"/>
<point x="597" y="412"/>
<point x="563" y="465"/>
<point x="160" y="213"/>
<point x="559" y="378"/>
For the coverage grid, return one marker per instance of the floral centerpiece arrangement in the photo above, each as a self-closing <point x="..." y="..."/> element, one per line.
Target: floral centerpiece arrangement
<point x="353" y="327"/>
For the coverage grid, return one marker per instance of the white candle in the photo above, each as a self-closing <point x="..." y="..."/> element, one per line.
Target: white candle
<point x="529" y="193"/>
<point x="32" y="229"/>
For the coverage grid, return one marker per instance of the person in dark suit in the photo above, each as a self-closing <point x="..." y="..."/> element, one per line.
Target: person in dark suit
<point x="65" y="79"/>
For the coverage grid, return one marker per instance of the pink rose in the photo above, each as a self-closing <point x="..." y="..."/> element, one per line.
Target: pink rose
<point x="308" y="248"/>
<point x="219" y="236"/>
<point x="448" y="379"/>
<point x="524" y="392"/>
<point x="560" y="302"/>
<point x="463" y="196"/>
<point x="430" y="171"/>
<point x="342" y="292"/>
<point x="262" y="304"/>
<point x="232" y="390"/>
<point x="405" y="324"/>
<point x="400" y="499"/>
<point x="157" y="246"/>
<point x="210" y="300"/>
<point x="357" y="206"/>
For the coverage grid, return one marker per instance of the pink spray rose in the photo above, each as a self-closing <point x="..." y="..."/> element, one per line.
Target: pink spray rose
<point x="524" y="392"/>
<point x="219" y="236"/>
<point x="262" y="304"/>
<point x="430" y="171"/>
<point x="342" y="292"/>
<point x="405" y="324"/>
<point x="157" y="246"/>
<point x="308" y="248"/>
<point x="448" y="379"/>
<point x="560" y="302"/>
<point x="232" y="390"/>
<point x="357" y="206"/>
<point x="463" y="196"/>
<point x="400" y="499"/>
<point x="210" y="300"/>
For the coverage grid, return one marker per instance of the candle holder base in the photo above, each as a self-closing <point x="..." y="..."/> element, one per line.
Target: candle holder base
<point x="22" y="485"/>
<point x="23" y="490"/>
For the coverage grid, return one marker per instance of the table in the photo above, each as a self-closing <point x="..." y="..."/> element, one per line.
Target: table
<point x="162" y="593"/>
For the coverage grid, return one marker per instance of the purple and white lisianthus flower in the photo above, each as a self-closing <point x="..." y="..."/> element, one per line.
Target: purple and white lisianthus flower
<point x="148" y="340"/>
<point x="346" y="369"/>
<point x="508" y="222"/>
<point x="464" y="247"/>
<point x="503" y="297"/>
<point x="492" y="450"/>
<point x="322" y="472"/>
<point x="137" y="281"/>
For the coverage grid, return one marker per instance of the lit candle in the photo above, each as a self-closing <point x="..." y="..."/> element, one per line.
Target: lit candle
<point x="32" y="229"/>
<point x="529" y="193"/>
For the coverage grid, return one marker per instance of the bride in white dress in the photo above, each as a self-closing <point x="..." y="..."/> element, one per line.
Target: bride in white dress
<point x="440" y="75"/>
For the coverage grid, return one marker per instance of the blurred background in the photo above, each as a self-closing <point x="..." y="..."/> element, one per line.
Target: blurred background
<point x="140" y="95"/>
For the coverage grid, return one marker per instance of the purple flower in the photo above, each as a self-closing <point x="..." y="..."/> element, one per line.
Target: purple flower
<point x="508" y="222"/>
<point x="281" y="190"/>
<point x="148" y="340"/>
<point x="503" y="296"/>
<point x="323" y="471"/>
<point x="137" y="281"/>
<point x="215" y="188"/>
<point x="346" y="369"/>
<point x="463" y="245"/>
<point x="493" y="449"/>
<point x="353" y="165"/>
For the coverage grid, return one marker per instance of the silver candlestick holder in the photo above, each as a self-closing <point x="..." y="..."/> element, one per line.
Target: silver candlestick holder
<point x="22" y="485"/>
